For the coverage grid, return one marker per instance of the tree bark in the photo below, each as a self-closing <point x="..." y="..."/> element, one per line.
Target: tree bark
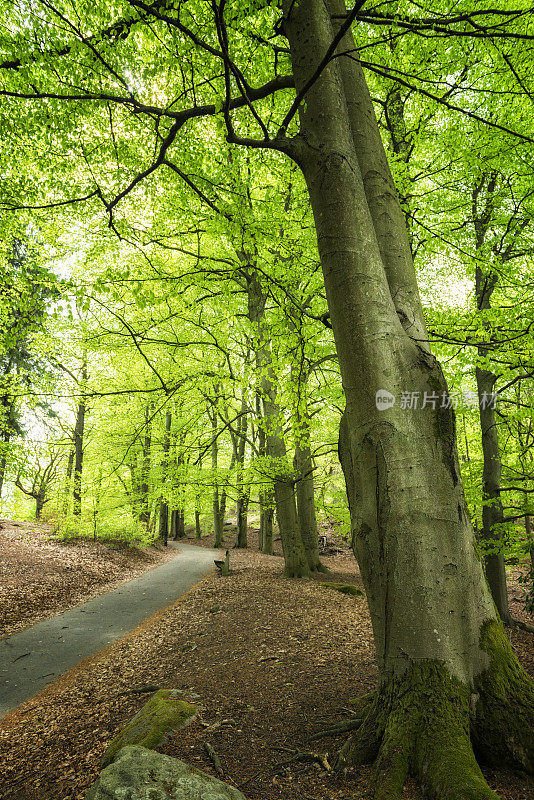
<point x="242" y="491"/>
<point x="68" y="476"/>
<point x="3" y="464"/>
<point x="447" y="673"/>
<point x="218" y="517"/>
<point x="304" y="467"/>
<point x="40" y="501"/>
<point x="491" y="535"/>
<point x="296" y="563"/>
<point x="163" y="530"/>
<point x="266" y="522"/>
<point x="78" y="460"/>
<point x="144" y="488"/>
<point x="78" y="447"/>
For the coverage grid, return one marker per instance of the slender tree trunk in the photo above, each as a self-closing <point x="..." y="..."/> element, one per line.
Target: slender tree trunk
<point x="218" y="517"/>
<point x="304" y="467"/>
<point x="198" y="529"/>
<point x="266" y="522"/>
<point x="266" y="495"/>
<point x="242" y="492"/>
<point x="164" y="507"/>
<point x="78" y="460"/>
<point x="296" y="563"/>
<point x="68" y="476"/>
<point x="3" y="464"/>
<point x="242" y="519"/>
<point x="447" y="672"/>
<point x="144" y="488"/>
<point x="491" y="535"/>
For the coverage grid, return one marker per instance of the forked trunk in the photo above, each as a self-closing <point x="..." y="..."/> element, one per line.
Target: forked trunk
<point x="447" y="671"/>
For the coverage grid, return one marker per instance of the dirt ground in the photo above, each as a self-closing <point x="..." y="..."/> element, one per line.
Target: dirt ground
<point x="39" y="576"/>
<point x="273" y="661"/>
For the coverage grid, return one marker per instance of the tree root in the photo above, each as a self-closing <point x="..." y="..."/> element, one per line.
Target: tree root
<point x="358" y="712"/>
<point x="305" y="756"/>
<point x="524" y="626"/>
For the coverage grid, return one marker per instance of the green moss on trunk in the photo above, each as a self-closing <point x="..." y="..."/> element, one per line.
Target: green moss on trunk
<point x="502" y="711"/>
<point x="422" y="724"/>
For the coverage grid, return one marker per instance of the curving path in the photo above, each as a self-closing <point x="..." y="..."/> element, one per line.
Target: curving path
<point x="33" y="658"/>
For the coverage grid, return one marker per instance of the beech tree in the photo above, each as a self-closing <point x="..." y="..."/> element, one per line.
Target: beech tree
<point x="449" y="680"/>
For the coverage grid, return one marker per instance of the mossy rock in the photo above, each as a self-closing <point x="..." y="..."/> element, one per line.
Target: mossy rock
<point x="345" y="588"/>
<point x="141" y="774"/>
<point x="164" y="713"/>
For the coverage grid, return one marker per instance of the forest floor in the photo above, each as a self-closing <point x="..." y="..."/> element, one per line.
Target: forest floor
<point x="40" y="576"/>
<point x="273" y="661"/>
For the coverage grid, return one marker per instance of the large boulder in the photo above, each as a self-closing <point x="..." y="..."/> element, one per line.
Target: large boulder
<point x="141" y="774"/>
<point x="163" y="714"/>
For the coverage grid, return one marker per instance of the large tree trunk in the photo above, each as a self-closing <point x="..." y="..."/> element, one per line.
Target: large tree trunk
<point x="40" y="501"/>
<point x="447" y="671"/>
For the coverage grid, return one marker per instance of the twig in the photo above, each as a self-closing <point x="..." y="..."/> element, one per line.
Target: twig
<point x="214" y="758"/>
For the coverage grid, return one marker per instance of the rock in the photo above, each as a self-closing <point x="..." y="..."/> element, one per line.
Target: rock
<point x="141" y="774"/>
<point x="164" y="713"/>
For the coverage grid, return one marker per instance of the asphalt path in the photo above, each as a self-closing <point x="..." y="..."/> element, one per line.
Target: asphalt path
<point x="33" y="658"/>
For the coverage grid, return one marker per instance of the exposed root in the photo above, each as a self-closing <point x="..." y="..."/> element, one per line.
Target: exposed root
<point x="358" y="712"/>
<point x="524" y="626"/>
<point x="391" y="770"/>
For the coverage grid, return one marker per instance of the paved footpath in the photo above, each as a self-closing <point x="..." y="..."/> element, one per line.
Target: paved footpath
<point x="33" y="658"/>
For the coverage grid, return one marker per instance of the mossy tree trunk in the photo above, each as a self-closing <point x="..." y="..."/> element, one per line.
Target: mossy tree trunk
<point x="448" y="677"/>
